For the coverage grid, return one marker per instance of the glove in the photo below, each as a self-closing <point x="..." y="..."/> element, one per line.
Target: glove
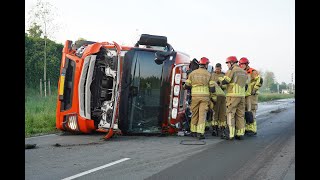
<point x="212" y="89"/>
<point x="253" y="92"/>
<point x="218" y="82"/>
<point x="246" y="87"/>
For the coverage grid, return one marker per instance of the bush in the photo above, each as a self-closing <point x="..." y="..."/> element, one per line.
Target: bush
<point x="273" y="96"/>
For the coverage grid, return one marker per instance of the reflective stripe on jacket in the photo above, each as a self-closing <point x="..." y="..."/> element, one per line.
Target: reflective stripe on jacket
<point x="199" y="80"/>
<point x="253" y="81"/>
<point x="236" y="79"/>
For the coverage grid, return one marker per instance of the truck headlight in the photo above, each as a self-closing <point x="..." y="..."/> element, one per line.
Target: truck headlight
<point x="177" y="78"/>
<point x="176" y="90"/>
<point x="72" y="122"/>
<point x="175" y="102"/>
<point x="174" y="113"/>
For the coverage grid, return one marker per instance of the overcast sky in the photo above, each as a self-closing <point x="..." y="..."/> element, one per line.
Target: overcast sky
<point x="261" y="30"/>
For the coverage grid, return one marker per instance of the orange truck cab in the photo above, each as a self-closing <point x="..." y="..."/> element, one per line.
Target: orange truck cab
<point x="120" y="89"/>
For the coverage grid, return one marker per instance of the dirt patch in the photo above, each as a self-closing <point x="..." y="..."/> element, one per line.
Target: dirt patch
<point x="277" y="110"/>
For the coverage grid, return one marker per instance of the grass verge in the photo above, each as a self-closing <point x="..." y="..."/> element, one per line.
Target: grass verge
<point x="273" y="96"/>
<point x="40" y="113"/>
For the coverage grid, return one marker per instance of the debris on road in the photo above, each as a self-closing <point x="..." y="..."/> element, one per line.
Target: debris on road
<point x="30" y="146"/>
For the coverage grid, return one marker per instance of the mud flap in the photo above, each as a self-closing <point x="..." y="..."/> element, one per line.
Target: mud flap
<point x="109" y="134"/>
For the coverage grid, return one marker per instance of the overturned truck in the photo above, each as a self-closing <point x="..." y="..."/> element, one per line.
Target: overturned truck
<point x="118" y="89"/>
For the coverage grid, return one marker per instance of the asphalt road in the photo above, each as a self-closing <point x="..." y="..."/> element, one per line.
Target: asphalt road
<point x="269" y="155"/>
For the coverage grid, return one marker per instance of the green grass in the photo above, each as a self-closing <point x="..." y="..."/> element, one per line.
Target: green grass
<point x="273" y="96"/>
<point x="40" y="113"/>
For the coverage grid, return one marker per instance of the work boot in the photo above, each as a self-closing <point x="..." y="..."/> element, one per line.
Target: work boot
<point x="215" y="131"/>
<point x="248" y="132"/>
<point x="251" y="133"/>
<point x="227" y="134"/>
<point x="201" y="136"/>
<point x="229" y="138"/>
<point x="239" y="137"/>
<point x="193" y="134"/>
<point x="222" y="133"/>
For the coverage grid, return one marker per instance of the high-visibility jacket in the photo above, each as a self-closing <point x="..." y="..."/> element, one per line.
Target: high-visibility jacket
<point x="219" y="89"/>
<point x="254" y="81"/>
<point x="199" y="81"/>
<point x="235" y="79"/>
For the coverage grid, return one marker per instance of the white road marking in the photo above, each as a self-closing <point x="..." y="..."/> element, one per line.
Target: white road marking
<point x="95" y="169"/>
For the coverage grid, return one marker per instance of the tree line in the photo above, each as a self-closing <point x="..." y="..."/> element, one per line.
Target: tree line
<point x="42" y="16"/>
<point x="34" y="60"/>
<point x="270" y="85"/>
<point x="34" y="63"/>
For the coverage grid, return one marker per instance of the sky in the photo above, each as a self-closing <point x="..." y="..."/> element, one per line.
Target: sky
<point x="261" y="30"/>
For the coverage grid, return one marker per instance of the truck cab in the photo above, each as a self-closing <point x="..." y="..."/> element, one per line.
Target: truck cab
<point x="110" y="88"/>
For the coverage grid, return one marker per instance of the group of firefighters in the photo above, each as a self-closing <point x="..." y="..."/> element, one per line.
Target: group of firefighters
<point x="232" y="97"/>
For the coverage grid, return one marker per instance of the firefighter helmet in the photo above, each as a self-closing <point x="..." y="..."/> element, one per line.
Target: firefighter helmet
<point x="244" y="60"/>
<point x="232" y="59"/>
<point x="204" y="61"/>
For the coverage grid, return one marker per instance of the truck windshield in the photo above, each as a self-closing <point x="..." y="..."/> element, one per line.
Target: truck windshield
<point x="144" y="105"/>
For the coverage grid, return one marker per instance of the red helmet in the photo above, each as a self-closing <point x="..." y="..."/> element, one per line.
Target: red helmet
<point x="204" y="61"/>
<point x="244" y="60"/>
<point x="232" y="59"/>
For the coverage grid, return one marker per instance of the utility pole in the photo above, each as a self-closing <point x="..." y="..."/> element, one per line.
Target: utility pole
<point x="45" y="60"/>
<point x="49" y="87"/>
<point x="40" y="87"/>
<point x="292" y="82"/>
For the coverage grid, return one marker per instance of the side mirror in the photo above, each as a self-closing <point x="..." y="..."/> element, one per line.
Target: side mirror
<point x="159" y="59"/>
<point x="162" y="56"/>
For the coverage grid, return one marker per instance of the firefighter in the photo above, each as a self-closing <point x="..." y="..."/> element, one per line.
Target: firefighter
<point x="254" y="83"/>
<point x="210" y="112"/>
<point x="219" y="120"/>
<point x="235" y="79"/>
<point x="201" y="86"/>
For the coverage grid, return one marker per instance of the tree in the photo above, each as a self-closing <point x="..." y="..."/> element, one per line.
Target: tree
<point x="33" y="64"/>
<point x="35" y="30"/>
<point x="81" y="39"/>
<point x="282" y="86"/>
<point x="42" y="14"/>
<point x="269" y="80"/>
<point x="274" y="87"/>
